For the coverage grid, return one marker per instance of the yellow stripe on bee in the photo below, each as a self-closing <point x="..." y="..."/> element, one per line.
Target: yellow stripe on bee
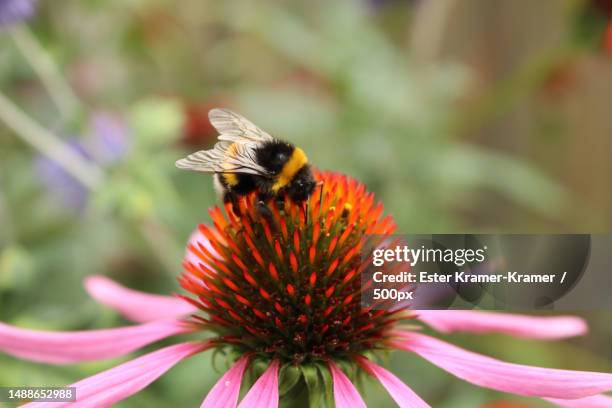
<point x="295" y="163"/>
<point x="230" y="179"/>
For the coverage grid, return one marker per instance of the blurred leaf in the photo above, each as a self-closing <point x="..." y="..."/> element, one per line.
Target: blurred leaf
<point x="131" y="201"/>
<point x="16" y="268"/>
<point x="155" y="121"/>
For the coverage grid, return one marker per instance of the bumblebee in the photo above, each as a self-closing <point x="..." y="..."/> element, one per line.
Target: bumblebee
<point x="247" y="159"/>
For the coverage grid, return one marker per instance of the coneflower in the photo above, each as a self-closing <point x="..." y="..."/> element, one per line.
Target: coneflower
<point x="281" y="296"/>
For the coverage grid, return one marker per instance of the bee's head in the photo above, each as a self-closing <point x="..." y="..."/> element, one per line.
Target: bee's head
<point x="302" y="185"/>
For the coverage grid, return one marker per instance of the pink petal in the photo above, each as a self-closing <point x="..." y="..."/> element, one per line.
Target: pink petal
<point x="264" y="393"/>
<point x="345" y="393"/>
<point x="226" y="390"/>
<point x="134" y="305"/>
<point x="533" y="327"/>
<point x="72" y="347"/>
<point x="400" y="392"/>
<point x="595" y="401"/>
<point x="110" y="386"/>
<point x="498" y="375"/>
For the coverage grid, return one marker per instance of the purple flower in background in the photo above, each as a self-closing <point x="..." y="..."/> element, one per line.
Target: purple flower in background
<point x="106" y="143"/>
<point x="15" y="11"/>
<point x="59" y="182"/>
<point x="108" y="137"/>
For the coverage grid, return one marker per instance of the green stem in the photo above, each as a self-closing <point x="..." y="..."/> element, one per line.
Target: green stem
<point x="50" y="145"/>
<point x="46" y="69"/>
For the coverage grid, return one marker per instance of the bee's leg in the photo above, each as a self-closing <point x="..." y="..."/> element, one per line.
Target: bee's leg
<point x="263" y="208"/>
<point x="232" y="198"/>
<point x="280" y="201"/>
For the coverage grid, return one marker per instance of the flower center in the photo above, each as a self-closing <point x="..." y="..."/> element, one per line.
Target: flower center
<point x="287" y="283"/>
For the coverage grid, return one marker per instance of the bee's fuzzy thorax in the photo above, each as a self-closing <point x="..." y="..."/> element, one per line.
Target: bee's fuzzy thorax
<point x="274" y="154"/>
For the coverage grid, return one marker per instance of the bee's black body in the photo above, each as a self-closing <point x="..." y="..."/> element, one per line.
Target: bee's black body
<point x="288" y="177"/>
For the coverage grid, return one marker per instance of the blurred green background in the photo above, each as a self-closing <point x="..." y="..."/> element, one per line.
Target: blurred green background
<point x="462" y="116"/>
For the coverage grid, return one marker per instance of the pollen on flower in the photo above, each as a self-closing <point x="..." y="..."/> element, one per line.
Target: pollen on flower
<point x="288" y="285"/>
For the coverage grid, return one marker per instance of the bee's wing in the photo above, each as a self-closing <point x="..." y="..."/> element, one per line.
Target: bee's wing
<point x="243" y="137"/>
<point x="233" y="127"/>
<point x="219" y="160"/>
